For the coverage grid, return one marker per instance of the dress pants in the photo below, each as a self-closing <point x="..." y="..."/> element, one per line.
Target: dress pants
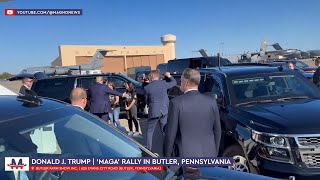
<point x="103" y="116"/>
<point x="152" y="124"/>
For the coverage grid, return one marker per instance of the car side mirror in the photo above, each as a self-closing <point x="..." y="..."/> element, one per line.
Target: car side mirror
<point x="218" y="98"/>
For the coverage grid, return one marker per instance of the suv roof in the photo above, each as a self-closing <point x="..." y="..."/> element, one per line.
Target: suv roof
<point x="94" y="75"/>
<point x="87" y="75"/>
<point x="9" y="104"/>
<point x="236" y="70"/>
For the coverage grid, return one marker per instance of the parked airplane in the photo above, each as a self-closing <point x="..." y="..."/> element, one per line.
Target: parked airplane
<point x="279" y="53"/>
<point x="314" y="53"/>
<point x="95" y="63"/>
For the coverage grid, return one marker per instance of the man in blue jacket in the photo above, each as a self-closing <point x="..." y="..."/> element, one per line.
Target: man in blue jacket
<point x="157" y="99"/>
<point x="99" y="93"/>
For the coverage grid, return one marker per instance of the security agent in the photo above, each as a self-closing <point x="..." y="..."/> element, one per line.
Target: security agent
<point x="316" y="75"/>
<point x="157" y="99"/>
<point x="26" y="84"/>
<point x="193" y="126"/>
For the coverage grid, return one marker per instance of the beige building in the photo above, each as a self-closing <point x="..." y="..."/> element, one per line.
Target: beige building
<point x="121" y="57"/>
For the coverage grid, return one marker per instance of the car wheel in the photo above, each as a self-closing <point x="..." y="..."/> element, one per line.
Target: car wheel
<point x="240" y="162"/>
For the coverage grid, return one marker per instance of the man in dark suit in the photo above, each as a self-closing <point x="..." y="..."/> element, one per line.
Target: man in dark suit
<point x="193" y="121"/>
<point x="26" y="84"/>
<point x="316" y="75"/>
<point x="99" y="102"/>
<point x="157" y="99"/>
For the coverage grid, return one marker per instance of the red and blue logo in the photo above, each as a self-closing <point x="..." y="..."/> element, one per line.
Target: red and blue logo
<point x="17" y="163"/>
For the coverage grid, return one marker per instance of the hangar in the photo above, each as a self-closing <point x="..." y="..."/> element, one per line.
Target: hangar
<point x="121" y="57"/>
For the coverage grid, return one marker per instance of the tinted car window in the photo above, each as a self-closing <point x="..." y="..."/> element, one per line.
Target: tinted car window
<point x="216" y="89"/>
<point x="162" y="68"/>
<point x="214" y="62"/>
<point x="86" y="83"/>
<point x="177" y="65"/>
<point x="54" y="88"/>
<point x="118" y="82"/>
<point x="270" y="87"/>
<point x="195" y="63"/>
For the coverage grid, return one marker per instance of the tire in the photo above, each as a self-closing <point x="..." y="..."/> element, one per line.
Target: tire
<point x="241" y="163"/>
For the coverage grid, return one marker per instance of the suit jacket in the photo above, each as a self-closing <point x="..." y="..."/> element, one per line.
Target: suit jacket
<point x="99" y="102"/>
<point x="316" y="76"/>
<point x="157" y="98"/>
<point x="22" y="90"/>
<point x="193" y="126"/>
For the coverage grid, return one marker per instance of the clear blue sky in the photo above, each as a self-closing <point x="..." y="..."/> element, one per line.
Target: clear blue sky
<point x="27" y="41"/>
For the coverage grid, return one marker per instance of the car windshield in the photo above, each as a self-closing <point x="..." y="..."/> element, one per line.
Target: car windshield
<point x="270" y="86"/>
<point x="67" y="132"/>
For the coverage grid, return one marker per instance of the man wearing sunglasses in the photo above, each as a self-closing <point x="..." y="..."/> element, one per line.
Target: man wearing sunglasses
<point x="26" y="84"/>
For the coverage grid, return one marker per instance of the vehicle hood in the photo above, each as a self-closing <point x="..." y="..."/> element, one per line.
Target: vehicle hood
<point x="289" y="117"/>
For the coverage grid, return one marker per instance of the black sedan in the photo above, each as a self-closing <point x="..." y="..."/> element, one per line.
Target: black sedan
<point x="32" y="126"/>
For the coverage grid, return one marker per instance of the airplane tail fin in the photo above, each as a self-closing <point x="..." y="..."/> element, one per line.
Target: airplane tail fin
<point x="276" y="46"/>
<point x="96" y="61"/>
<point x="203" y="53"/>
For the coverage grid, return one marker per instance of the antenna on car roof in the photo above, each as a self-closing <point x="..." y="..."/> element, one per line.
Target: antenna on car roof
<point x="30" y="99"/>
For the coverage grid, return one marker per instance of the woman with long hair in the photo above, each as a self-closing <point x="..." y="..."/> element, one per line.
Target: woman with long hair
<point x="115" y="106"/>
<point x="131" y="108"/>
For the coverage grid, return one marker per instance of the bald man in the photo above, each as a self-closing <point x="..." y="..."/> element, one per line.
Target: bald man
<point x="99" y="103"/>
<point x="78" y="97"/>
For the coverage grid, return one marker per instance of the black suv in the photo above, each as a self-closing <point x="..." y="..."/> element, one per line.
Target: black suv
<point x="269" y="116"/>
<point x="60" y="87"/>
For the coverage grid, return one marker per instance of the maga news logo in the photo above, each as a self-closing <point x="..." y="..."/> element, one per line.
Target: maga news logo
<point x="16" y="163"/>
